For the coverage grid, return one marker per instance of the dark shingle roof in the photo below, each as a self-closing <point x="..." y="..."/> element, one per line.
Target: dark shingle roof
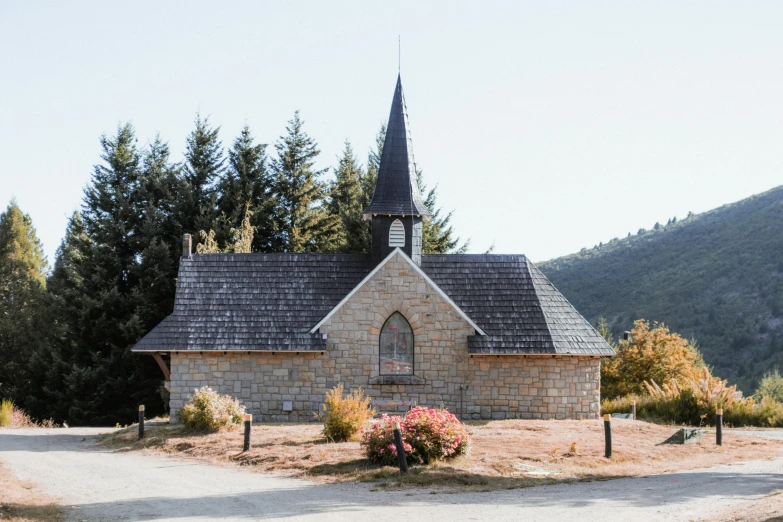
<point x="515" y="304"/>
<point x="271" y="301"/>
<point x="396" y="189"/>
<point x="255" y="301"/>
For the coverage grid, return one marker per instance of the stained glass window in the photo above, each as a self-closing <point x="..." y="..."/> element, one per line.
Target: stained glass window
<point x="396" y="346"/>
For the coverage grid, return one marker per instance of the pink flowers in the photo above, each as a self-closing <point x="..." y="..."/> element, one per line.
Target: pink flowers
<point x="428" y="434"/>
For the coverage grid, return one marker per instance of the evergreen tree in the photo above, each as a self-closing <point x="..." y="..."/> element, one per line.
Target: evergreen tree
<point x="204" y="168"/>
<point x="247" y="182"/>
<point x="438" y="236"/>
<point x="22" y="285"/>
<point x="347" y="202"/>
<point x="113" y="282"/>
<point x="301" y="218"/>
<point x="373" y="166"/>
<point x="52" y="366"/>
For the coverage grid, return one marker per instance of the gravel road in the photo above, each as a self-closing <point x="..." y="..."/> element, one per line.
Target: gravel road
<point x="97" y="484"/>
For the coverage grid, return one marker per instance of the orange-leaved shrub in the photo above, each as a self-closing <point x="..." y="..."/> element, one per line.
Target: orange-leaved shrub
<point x="651" y="354"/>
<point x="344" y="416"/>
<point x="208" y="410"/>
<point x="427" y="435"/>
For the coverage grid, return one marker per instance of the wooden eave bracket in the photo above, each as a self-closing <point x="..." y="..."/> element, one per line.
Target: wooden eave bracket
<point x="162" y="364"/>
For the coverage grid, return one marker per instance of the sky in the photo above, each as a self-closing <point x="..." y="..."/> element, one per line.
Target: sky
<point x="547" y="126"/>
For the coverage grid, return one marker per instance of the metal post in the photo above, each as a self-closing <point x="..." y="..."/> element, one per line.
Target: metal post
<point x="248" y="427"/>
<point x="719" y="427"/>
<point x="608" y="434"/>
<point x="141" y="422"/>
<point x="400" y="448"/>
<point x="633" y="410"/>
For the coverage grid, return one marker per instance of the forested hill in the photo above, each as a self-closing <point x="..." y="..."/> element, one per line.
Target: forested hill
<point x="716" y="277"/>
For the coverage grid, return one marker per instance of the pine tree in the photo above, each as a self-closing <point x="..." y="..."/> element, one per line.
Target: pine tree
<point x="23" y="270"/>
<point x="204" y="168"/>
<point x="347" y="202"/>
<point x="373" y="166"/>
<point x="438" y="236"/>
<point x="301" y="218"/>
<point x="247" y="182"/>
<point x="113" y="282"/>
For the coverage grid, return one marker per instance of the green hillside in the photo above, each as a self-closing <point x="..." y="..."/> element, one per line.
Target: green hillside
<point x="716" y="277"/>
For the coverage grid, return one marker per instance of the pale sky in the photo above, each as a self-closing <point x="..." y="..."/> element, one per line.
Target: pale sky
<point x="548" y="126"/>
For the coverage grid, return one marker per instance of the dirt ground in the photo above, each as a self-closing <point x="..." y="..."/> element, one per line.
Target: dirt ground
<point x="504" y="454"/>
<point x="765" y="509"/>
<point x="19" y="502"/>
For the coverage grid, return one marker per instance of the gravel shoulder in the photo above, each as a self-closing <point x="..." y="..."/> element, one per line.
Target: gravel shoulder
<point x="95" y="483"/>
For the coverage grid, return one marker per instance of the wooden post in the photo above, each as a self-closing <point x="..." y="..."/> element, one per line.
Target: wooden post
<point x="401" y="459"/>
<point x="633" y="410"/>
<point x="719" y="426"/>
<point x="141" y="422"/>
<point x="248" y="427"/>
<point x="608" y="435"/>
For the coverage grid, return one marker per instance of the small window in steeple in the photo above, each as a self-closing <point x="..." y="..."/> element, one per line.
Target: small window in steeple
<point x="397" y="234"/>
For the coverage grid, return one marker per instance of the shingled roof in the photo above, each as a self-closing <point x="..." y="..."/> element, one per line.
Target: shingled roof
<point x="397" y="190"/>
<point x="520" y="311"/>
<point x="254" y="301"/>
<point x="271" y="301"/>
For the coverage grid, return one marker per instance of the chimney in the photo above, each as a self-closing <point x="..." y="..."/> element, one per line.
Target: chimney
<point x="186" y="245"/>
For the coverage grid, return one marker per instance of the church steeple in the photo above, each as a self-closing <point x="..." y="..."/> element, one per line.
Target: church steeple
<point x="397" y="209"/>
<point x="396" y="190"/>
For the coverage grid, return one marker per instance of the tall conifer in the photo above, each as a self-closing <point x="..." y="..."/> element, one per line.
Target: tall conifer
<point x="302" y="220"/>
<point x="347" y="202"/>
<point x="113" y="282"/>
<point x="22" y="282"/>
<point x="246" y="183"/>
<point x="204" y="168"/>
<point x="373" y="166"/>
<point x="439" y="238"/>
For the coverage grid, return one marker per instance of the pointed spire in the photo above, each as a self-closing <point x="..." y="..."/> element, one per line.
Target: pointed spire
<point x="397" y="190"/>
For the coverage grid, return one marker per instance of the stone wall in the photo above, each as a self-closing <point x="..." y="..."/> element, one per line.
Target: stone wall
<point x="493" y="387"/>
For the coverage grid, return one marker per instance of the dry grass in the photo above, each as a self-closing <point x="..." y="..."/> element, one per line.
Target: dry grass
<point x="503" y="453"/>
<point x="13" y="417"/>
<point x="20" y="503"/>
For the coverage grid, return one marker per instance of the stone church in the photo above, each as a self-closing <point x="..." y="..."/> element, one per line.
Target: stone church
<point x="485" y="336"/>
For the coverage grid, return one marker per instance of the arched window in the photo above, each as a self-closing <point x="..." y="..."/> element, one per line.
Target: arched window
<point x="396" y="346"/>
<point x="397" y="234"/>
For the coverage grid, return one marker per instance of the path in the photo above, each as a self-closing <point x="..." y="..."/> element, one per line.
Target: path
<point x="96" y="484"/>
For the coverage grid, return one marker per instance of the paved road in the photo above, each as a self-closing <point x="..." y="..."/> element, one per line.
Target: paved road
<point x="96" y="484"/>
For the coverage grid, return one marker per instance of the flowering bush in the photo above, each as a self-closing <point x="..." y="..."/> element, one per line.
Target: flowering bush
<point x="427" y="435"/>
<point x="208" y="410"/>
<point x="343" y="416"/>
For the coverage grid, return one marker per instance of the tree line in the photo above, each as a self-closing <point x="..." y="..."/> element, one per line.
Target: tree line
<point x="66" y="333"/>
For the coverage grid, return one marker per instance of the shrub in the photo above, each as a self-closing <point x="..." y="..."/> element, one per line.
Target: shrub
<point x="209" y="410"/>
<point x="650" y="354"/>
<point x="344" y="416"/>
<point x="6" y="412"/>
<point x="427" y="435"/>
<point x="12" y="416"/>
<point x="771" y="387"/>
<point x="695" y="404"/>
